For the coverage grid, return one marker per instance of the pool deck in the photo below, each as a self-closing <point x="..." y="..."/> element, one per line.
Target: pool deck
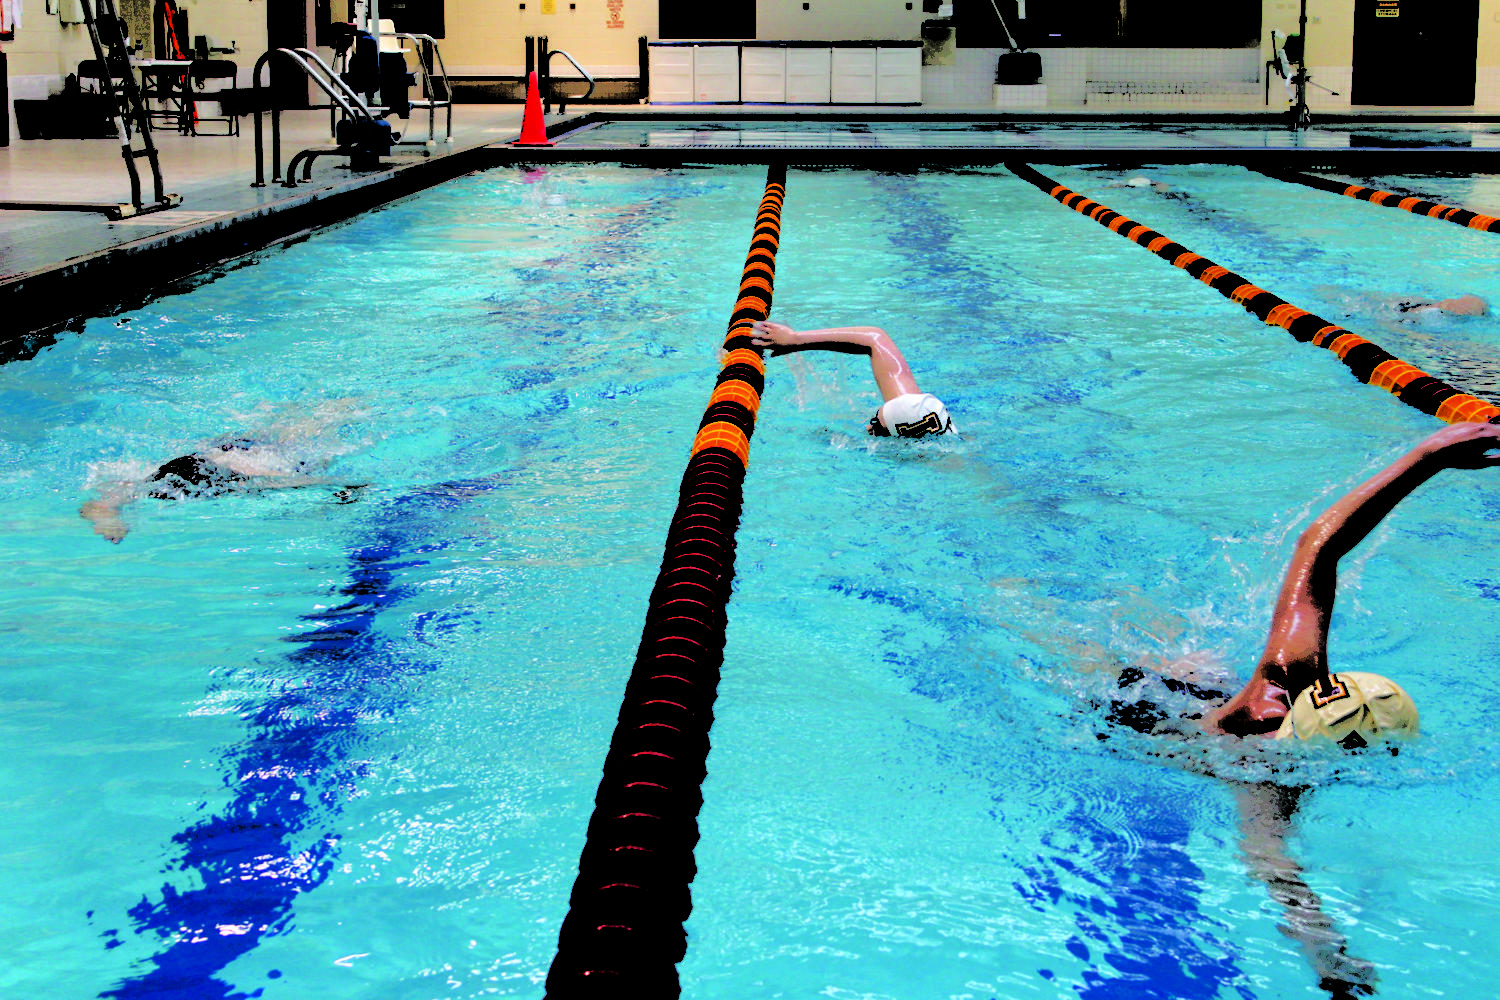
<point x="53" y="263"/>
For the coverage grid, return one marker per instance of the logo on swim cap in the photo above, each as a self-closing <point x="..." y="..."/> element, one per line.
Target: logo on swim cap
<point x="1351" y="709"/>
<point x="914" y="415"/>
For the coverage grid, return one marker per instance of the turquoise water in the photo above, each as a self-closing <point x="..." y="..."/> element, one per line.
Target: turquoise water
<point x="344" y="740"/>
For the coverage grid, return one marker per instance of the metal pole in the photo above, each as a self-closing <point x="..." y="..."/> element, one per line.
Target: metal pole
<point x="1300" y="117"/>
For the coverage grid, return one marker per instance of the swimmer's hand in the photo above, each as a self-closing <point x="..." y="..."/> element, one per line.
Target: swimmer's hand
<point x="105" y="519"/>
<point x="1462" y="446"/>
<point x="766" y="333"/>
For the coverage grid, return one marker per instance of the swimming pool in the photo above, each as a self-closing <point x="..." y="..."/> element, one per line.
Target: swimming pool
<point x="290" y="744"/>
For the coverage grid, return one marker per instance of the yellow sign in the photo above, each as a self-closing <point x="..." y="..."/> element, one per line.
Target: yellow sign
<point x="549" y="6"/>
<point x="1387" y="8"/>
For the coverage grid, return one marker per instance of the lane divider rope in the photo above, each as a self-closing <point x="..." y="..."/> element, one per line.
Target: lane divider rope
<point x="1390" y="199"/>
<point x="1369" y="362"/>
<point x="623" y="935"/>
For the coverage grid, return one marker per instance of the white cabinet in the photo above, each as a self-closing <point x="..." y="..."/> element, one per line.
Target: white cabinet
<point x="716" y="73"/>
<point x="898" y="75"/>
<point x="808" y="75"/>
<point x="792" y="73"/>
<point x="687" y="74"/>
<point x="671" y="74"/>
<point x="763" y="74"/>
<point x="854" y="71"/>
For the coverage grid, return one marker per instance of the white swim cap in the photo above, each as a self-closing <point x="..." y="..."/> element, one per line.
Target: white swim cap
<point x="1359" y="707"/>
<point x="914" y="415"/>
<point x="1139" y="182"/>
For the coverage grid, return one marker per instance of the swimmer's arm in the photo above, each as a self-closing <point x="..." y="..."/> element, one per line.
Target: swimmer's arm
<point x="104" y="515"/>
<point x="1265" y="822"/>
<point x="292" y="481"/>
<point x="1297" y="646"/>
<point x="892" y="374"/>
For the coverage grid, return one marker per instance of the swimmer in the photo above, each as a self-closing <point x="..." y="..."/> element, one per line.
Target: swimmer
<point x="1293" y="693"/>
<point x="1141" y="182"/>
<point x="907" y="410"/>
<point x="227" y="465"/>
<point x="1467" y="304"/>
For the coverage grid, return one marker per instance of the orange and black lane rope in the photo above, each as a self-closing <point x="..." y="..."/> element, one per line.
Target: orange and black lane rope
<point x="1368" y="361"/>
<point x="1390" y="199"/>
<point x="623" y="935"/>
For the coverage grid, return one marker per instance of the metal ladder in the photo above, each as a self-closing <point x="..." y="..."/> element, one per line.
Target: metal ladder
<point x="110" y="50"/>
<point x="130" y="120"/>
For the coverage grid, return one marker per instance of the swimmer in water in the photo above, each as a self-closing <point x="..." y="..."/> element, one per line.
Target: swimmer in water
<point x="1467" y="304"/>
<point x="1141" y="182"/>
<point x="1293" y="693"/>
<point x="228" y="465"/>
<point x="907" y="410"/>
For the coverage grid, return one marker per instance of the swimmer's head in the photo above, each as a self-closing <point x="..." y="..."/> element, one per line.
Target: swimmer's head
<point x="914" y="415"/>
<point x="1139" y="182"/>
<point x="1353" y="709"/>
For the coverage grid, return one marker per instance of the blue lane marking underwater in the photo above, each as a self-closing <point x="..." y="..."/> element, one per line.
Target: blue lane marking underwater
<point x="275" y="841"/>
<point x="1141" y="932"/>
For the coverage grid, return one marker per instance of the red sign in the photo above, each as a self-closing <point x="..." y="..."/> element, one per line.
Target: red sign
<point x="616" y="10"/>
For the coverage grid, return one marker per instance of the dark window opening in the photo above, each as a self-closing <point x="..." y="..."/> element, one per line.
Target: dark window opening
<point x="685" y="20"/>
<point x="1159" y="24"/>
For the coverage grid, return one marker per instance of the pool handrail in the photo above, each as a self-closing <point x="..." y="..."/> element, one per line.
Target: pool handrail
<point x="349" y="101"/>
<point x="562" y="101"/>
<point x="431" y="102"/>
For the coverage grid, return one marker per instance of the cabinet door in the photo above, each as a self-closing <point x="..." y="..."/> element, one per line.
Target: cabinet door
<point x="763" y="75"/>
<point x="899" y="76"/>
<point x="671" y="74"/>
<point x="716" y="73"/>
<point x="808" y="75"/>
<point x="854" y="75"/>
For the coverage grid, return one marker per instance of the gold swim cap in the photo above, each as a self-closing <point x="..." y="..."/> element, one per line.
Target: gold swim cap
<point x="1354" y="709"/>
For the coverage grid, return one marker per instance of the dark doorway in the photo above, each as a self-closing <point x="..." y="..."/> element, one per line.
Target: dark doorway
<point x="679" y="20"/>
<point x="1415" y="53"/>
<point x="286" y="28"/>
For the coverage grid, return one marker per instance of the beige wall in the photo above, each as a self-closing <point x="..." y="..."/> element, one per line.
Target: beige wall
<point x="47" y="47"/>
<point x="785" y="20"/>
<point x="485" y="36"/>
<point x="242" y="21"/>
<point x="1330" y="29"/>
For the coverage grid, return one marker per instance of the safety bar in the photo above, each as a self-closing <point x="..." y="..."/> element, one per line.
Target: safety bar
<point x="562" y="102"/>
<point x="431" y="102"/>
<point x="310" y="63"/>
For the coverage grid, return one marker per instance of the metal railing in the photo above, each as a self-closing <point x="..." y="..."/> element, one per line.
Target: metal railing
<point x="562" y="101"/>
<point x="431" y="101"/>
<point x="340" y="93"/>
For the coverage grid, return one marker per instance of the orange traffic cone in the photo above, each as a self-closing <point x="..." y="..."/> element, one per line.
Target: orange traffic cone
<point x="533" y="129"/>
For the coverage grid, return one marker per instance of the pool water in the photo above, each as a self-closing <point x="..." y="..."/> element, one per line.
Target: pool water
<point x="343" y="741"/>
